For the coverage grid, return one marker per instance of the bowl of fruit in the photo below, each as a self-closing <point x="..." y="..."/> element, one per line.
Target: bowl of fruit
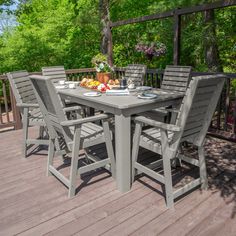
<point x="96" y="85"/>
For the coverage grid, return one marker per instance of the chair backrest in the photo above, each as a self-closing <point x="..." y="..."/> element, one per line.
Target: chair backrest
<point x="22" y="87"/>
<point x="176" y="78"/>
<point x="135" y="74"/>
<point x="50" y="106"/>
<point x="198" y="107"/>
<point x="55" y="72"/>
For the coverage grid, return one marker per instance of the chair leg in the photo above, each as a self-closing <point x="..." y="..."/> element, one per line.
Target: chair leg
<point x="109" y="147"/>
<point x="41" y="131"/>
<point x="74" y="161"/>
<point x="202" y="167"/>
<point x="25" y="122"/>
<point x="51" y="152"/>
<point x="135" y="149"/>
<point x="73" y="174"/>
<point x="168" y="182"/>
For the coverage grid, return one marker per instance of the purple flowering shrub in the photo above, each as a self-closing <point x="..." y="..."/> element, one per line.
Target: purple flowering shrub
<point x="151" y="49"/>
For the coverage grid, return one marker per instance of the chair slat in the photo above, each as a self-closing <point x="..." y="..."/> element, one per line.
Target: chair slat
<point x="21" y="79"/>
<point x="174" y="83"/>
<point x="21" y="90"/>
<point x="19" y="74"/>
<point x="172" y="74"/>
<point x="178" y="68"/>
<point x="55" y="72"/>
<point x="22" y="84"/>
<point x="176" y="78"/>
<point x="174" y="88"/>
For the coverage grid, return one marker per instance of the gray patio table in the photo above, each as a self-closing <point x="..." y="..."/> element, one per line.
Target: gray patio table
<point x="122" y="107"/>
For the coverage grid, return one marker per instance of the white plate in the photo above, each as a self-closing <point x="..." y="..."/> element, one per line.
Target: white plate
<point x="61" y="86"/>
<point x="72" y="82"/>
<point x="92" y="94"/>
<point x="147" y="96"/>
<point x="143" y="88"/>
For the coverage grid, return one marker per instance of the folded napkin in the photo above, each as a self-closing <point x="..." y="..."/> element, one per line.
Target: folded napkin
<point x="117" y="92"/>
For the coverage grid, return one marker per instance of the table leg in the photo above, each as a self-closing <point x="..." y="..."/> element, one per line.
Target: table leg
<point x="123" y="153"/>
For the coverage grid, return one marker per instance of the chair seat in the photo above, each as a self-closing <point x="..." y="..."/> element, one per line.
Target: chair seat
<point x="90" y="133"/>
<point x="151" y="139"/>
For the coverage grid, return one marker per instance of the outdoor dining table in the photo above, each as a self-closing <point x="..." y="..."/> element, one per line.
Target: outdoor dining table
<point x="122" y="107"/>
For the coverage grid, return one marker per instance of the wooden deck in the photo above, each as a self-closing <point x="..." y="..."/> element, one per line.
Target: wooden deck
<point x="33" y="204"/>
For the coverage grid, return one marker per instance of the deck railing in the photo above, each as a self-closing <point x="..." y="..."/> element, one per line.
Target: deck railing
<point x="223" y="123"/>
<point x="9" y="113"/>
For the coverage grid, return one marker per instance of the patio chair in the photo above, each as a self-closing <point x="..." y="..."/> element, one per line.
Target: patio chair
<point x="191" y="125"/>
<point x="135" y="74"/>
<point x="175" y="79"/>
<point x="29" y="108"/>
<point x="57" y="73"/>
<point x="77" y="134"/>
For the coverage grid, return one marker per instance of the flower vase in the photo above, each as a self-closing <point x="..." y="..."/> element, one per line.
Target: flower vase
<point x="103" y="77"/>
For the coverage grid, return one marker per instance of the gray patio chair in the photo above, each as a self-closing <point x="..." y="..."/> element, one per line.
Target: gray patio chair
<point x="29" y="108"/>
<point x="176" y="79"/>
<point x="77" y="134"/>
<point x="191" y="125"/>
<point x="57" y="73"/>
<point x="135" y="73"/>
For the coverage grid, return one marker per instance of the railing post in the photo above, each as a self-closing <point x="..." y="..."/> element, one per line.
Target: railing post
<point x="177" y="34"/>
<point x="110" y="45"/>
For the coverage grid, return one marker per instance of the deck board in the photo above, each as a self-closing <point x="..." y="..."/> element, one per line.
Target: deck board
<point x="33" y="204"/>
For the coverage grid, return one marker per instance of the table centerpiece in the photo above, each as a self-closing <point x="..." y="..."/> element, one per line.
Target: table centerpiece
<point x="102" y="67"/>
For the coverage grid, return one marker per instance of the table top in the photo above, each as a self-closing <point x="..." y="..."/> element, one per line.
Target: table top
<point x="121" y="102"/>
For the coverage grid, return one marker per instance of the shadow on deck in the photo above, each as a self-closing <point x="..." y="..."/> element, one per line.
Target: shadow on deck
<point x="33" y="204"/>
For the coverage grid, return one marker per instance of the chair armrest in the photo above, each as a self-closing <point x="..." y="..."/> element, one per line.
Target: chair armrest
<point x="157" y="124"/>
<point x="27" y="105"/>
<point x="72" y="108"/>
<point x="84" y="120"/>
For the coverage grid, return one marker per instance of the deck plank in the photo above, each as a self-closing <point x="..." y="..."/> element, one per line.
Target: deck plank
<point x="33" y="204"/>
<point x="84" y="216"/>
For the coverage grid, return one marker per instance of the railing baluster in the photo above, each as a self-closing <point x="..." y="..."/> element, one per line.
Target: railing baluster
<point x="227" y="104"/>
<point x="156" y="81"/>
<point x="1" y="118"/>
<point x="218" y="113"/>
<point x="234" y="116"/>
<point x="5" y="100"/>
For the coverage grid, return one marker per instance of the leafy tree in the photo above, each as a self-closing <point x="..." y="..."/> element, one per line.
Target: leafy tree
<point x="69" y="32"/>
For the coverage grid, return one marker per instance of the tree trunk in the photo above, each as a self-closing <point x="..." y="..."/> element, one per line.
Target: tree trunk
<point x="210" y="43"/>
<point x="106" y="36"/>
<point x="104" y="16"/>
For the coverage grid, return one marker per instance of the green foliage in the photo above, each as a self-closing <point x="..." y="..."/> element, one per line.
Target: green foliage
<point x="68" y="32"/>
<point x="50" y="33"/>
